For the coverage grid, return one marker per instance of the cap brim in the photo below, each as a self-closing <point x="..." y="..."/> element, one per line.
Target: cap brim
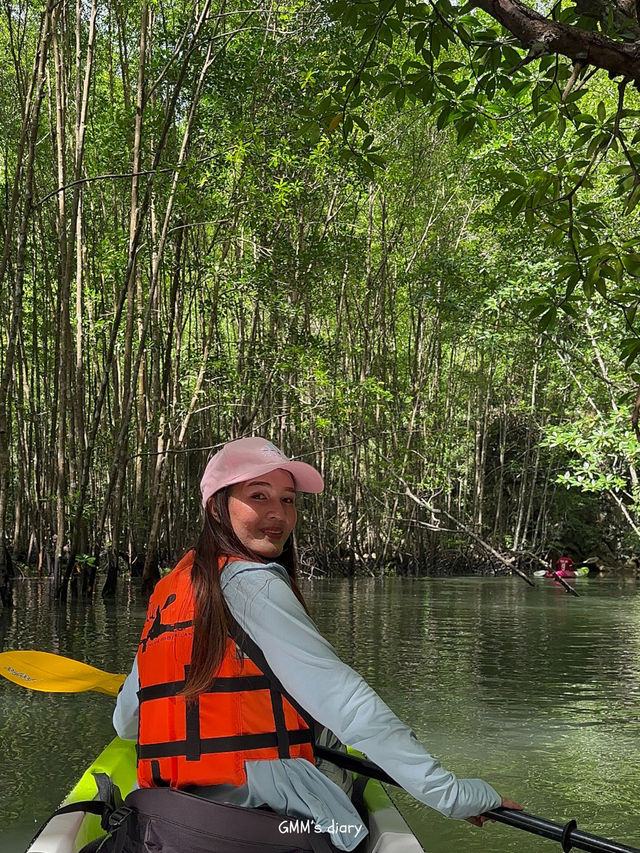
<point x="305" y="476"/>
<point x="307" y="479"/>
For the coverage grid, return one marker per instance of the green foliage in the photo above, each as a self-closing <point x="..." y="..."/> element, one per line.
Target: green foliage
<point x="560" y="143"/>
<point x="601" y="452"/>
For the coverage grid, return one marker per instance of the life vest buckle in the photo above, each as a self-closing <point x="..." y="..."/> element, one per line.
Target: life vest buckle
<point x="118" y="817"/>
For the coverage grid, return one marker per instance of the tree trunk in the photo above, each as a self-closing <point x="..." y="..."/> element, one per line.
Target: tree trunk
<point x="23" y="178"/>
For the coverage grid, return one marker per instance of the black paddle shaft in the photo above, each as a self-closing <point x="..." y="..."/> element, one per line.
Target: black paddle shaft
<point x="354" y="763"/>
<point x="568" y="835"/>
<point x="566" y="585"/>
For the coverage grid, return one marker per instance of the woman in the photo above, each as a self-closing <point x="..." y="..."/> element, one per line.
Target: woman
<point x="244" y="737"/>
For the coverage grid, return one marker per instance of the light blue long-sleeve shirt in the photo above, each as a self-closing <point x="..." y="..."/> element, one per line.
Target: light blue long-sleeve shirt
<point x="261" y="600"/>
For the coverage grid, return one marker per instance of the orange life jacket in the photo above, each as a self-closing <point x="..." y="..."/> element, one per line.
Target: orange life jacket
<point x="238" y="718"/>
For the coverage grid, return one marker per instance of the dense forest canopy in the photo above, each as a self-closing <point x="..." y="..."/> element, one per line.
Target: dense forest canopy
<point x="573" y="71"/>
<point x="393" y="258"/>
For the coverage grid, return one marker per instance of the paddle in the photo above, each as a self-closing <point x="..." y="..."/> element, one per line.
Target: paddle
<point x="56" y="674"/>
<point x="53" y="673"/>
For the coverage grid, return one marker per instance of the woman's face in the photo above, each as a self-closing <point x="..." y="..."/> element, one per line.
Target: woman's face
<point x="263" y="512"/>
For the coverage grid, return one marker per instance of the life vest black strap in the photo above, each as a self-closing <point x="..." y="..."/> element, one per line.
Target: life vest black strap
<point x="284" y="742"/>
<point x="158" y="780"/>
<point x="232" y="743"/>
<point x="235" y="684"/>
<point x="193" y="749"/>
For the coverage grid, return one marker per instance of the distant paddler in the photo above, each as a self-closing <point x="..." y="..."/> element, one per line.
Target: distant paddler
<point x="563" y="569"/>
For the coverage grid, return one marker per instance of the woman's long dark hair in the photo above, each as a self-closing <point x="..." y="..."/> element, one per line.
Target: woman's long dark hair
<point x="211" y="616"/>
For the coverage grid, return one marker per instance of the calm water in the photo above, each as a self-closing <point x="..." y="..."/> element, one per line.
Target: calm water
<point x="534" y="690"/>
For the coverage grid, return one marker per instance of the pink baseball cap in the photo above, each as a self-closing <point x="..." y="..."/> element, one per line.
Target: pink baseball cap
<point x="247" y="458"/>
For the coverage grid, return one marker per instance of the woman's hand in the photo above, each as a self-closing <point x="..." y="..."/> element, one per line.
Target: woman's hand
<point x="481" y="819"/>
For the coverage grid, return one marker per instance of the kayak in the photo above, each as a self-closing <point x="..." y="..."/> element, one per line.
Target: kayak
<point x="388" y="831"/>
<point x="580" y="572"/>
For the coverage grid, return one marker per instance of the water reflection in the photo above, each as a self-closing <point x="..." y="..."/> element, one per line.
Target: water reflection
<point x="534" y="690"/>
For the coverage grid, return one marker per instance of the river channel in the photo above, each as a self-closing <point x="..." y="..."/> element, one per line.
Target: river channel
<point x="534" y="690"/>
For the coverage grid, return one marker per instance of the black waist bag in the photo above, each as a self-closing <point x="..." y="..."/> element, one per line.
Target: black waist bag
<point x="163" y="820"/>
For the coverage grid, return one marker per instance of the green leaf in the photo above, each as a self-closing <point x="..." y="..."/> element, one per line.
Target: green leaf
<point x="421" y="38"/>
<point x="436" y="42"/>
<point x="368" y="170"/>
<point x="570" y="309"/>
<point x="597" y="143"/>
<point x="507" y="198"/>
<point x="601" y="286"/>
<point x="335" y="121"/>
<point x="385" y="34"/>
<point x="631" y="263"/>
<point x="465" y="127"/>
<point x="511" y="56"/>
<point x="548" y="319"/>
<point x="353" y="88"/>
<point x="587" y="286"/>
<point x="537" y="310"/>
<point x="633" y="200"/>
<point x="519" y="204"/>
<point x="387" y="90"/>
<point x="630" y="351"/>
<point x="335" y="10"/>
<point x="449" y="65"/>
<point x="443" y="117"/>
<point x="517" y="178"/>
<point x="369" y="34"/>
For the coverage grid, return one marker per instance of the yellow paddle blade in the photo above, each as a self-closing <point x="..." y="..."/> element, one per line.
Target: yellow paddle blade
<point x="56" y="674"/>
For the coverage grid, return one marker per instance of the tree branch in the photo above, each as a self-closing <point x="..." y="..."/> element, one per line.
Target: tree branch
<point x="571" y="82"/>
<point x="509" y="563"/>
<point x="535" y="31"/>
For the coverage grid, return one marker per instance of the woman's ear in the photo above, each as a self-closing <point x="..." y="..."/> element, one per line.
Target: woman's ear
<point x="211" y="508"/>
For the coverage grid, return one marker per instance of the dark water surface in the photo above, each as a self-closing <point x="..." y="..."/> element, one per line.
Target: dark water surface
<point x="532" y="689"/>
